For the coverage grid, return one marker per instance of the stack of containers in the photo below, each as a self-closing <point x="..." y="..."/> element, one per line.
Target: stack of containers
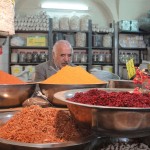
<point x="39" y="22"/>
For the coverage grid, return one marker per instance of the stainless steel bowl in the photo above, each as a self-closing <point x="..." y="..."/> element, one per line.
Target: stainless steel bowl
<point x="109" y="121"/>
<point x="50" y="89"/>
<point x="122" y="84"/>
<point x="71" y="145"/>
<point x="120" y="143"/>
<point x="12" y="95"/>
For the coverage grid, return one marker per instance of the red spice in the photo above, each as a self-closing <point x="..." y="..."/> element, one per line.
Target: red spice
<point x="6" y="78"/>
<point x="42" y="125"/>
<point x="117" y="99"/>
<point x="142" y="78"/>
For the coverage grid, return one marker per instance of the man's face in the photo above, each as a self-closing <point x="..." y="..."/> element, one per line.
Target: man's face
<point x="62" y="56"/>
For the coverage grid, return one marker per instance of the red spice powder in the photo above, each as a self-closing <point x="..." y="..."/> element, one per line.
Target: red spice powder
<point x="42" y="125"/>
<point x="118" y="99"/>
<point x="142" y="78"/>
<point x="6" y="78"/>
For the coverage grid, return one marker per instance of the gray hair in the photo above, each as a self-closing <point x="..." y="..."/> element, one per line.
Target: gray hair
<point x="62" y="42"/>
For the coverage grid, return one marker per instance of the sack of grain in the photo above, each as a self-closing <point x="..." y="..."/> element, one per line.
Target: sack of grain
<point x="7" y="17"/>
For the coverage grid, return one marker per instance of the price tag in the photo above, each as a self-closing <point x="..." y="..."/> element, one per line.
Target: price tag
<point x="130" y="68"/>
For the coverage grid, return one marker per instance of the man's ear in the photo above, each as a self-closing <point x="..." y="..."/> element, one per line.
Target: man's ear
<point x="53" y="55"/>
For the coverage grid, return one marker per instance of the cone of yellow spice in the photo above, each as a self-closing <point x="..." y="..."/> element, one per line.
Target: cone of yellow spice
<point x="73" y="75"/>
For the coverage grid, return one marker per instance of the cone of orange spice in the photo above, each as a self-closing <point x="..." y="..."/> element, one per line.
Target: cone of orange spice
<point x="72" y="75"/>
<point x="6" y="78"/>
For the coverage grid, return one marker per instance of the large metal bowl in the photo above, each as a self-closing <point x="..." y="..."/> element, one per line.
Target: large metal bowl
<point x="120" y="143"/>
<point x="12" y="145"/>
<point x="123" y="84"/>
<point x="50" y="89"/>
<point x="12" y="95"/>
<point x="109" y="121"/>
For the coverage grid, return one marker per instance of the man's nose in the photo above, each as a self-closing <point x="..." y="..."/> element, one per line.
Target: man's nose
<point x="66" y="58"/>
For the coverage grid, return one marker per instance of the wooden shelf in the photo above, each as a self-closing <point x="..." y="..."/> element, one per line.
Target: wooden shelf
<point x="29" y="47"/>
<point x="103" y="48"/>
<point x="130" y="48"/>
<point x="21" y="31"/>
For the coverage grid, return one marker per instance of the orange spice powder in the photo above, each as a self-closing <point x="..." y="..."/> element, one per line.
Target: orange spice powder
<point x="6" y="78"/>
<point x="73" y="75"/>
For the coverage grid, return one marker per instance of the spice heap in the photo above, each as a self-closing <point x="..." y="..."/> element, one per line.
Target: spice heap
<point x="42" y="125"/>
<point x="6" y="78"/>
<point x="117" y="99"/>
<point x="73" y="75"/>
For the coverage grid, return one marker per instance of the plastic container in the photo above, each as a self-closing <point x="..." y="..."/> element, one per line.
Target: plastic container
<point x="14" y="57"/>
<point x="108" y="68"/>
<point x="16" y="69"/>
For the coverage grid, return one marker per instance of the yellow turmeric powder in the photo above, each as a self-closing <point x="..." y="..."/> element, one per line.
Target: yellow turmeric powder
<point x="73" y="75"/>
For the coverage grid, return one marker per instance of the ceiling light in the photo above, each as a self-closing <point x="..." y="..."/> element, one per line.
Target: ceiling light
<point x="67" y="6"/>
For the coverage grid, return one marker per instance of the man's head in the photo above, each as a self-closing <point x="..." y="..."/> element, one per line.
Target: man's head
<point x="62" y="53"/>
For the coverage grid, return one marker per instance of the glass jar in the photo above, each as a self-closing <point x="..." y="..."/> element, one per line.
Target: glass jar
<point x="101" y="57"/>
<point x="29" y="57"/>
<point x="108" y="57"/>
<point x="76" y="57"/>
<point x="83" y="57"/>
<point x="22" y="57"/>
<point x="95" y="57"/>
<point x="14" y="57"/>
<point x="42" y="57"/>
<point x="35" y="56"/>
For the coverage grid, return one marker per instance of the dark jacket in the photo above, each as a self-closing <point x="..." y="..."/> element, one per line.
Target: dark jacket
<point x="45" y="70"/>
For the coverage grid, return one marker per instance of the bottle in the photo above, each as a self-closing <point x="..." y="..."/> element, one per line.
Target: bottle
<point x="42" y="57"/>
<point x="35" y="57"/>
<point x="22" y="57"/>
<point x="29" y="57"/>
<point x="108" y="57"/>
<point x="101" y="57"/>
<point x="95" y="57"/>
<point x="14" y="57"/>
<point x="83" y="57"/>
<point x="76" y="57"/>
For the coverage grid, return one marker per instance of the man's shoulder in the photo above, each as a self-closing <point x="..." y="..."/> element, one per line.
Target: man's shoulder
<point x="44" y="64"/>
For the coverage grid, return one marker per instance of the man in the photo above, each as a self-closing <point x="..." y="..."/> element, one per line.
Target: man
<point x="62" y="55"/>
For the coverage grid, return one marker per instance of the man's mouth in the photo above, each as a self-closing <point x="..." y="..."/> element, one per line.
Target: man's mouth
<point x="64" y="64"/>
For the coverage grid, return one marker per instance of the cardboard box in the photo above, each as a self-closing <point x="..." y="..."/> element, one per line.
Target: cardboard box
<point x="36" y="41"/>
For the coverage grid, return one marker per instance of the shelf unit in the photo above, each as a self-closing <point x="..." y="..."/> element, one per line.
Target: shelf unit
<point x="129" y="50"/>
<point x="25" y="48"/>
<point x="102" y="49"/>
<point x="88" y="48"/>
<point x="72" y="33"/>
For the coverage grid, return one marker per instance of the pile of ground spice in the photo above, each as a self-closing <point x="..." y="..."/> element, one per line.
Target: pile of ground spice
<point x="42" y="125"/>
<point x="6" y="78"/>
<point x="117" y="99"/>
<point x="73" y="75"/>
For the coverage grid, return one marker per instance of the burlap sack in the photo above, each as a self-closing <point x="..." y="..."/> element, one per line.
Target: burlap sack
<point x="7" y="17"/>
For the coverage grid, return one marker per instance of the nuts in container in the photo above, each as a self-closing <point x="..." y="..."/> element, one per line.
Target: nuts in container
<point x="64" y="23"/>
<point x="84" y="23"/>
<point x="75" y="23"/>
<point x="80" y="39"/>
<point x="107" y="40"/>
<point x="55" y="23"/>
